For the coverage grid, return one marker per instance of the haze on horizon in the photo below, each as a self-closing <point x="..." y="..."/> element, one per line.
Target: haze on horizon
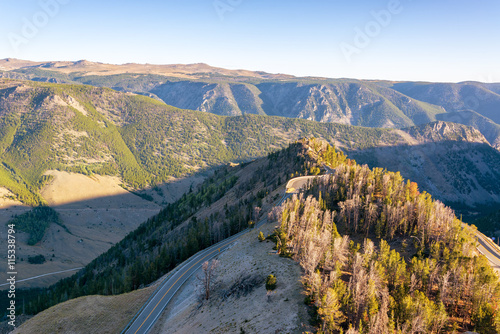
<point x="449" y="40"/>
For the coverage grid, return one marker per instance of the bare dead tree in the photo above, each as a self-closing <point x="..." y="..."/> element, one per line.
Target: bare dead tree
<point x="444" y="287"/>
<point x="433" y="277"/>
<point x="207" y="278"/>
<point x="309" y="260"/>
<point x="379" y="322"/>
<point x="256" y="213"/>
<point x="338" y="254"/>
<point x="275" y="214"/>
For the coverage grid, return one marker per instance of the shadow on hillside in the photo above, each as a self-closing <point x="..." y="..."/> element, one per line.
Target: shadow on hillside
<point x="461" y="174"/>
<point x="89" y="228"/>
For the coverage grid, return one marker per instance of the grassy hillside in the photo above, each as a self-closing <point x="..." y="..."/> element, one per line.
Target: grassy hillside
<point x="220" y="207"/>
<point x="97" y="130"/>
<point x="224" y="92"/>
<point x="90" y="314"/>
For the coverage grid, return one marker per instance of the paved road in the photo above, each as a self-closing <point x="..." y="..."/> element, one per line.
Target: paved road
<point x="488" y="248"/>
<point x="43" y="275"/>
<point x="294" y="185"/>
<point x="152" y="310"/>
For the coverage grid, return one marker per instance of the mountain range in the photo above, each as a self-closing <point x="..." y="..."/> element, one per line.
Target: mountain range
<point x="190" y="151"/>
<point x="53" y="128"/>
<point x="92" y="130"/>
<point x="237" y="92"/>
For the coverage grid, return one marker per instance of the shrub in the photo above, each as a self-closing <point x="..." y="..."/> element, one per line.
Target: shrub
<point x="270" y="282"/>
<point x="39" y="259"/>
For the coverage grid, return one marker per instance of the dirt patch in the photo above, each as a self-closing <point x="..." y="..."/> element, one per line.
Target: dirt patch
<point x="284" y="311"/>
<point x="406" y="136"/>
<point x="75" y="104"/>
<point x="57" y="100"/>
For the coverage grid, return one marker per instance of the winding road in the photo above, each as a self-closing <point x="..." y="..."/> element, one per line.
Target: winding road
<point x="489" y="249"/>
<point x="151" y="311"/>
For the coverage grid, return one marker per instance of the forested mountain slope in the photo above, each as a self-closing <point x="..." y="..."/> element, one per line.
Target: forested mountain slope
<point x="223" y="205"/>
<point x="236" y="92"/>
<point x="420" y="271"/>
<point x="97" y="130"/>
<point x="379" y="256"/>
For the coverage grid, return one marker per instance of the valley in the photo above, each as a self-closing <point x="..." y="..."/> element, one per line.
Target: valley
<point x="249" y="167"/>
<point x="313" y="153"/>
<point x="143" y="170"/>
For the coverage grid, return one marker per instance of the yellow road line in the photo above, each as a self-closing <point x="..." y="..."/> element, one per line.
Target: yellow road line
<point x="486" y="249"/>
<point x="173" y="286"/>
<point x="490" y="242"/>
<point x="185" y="273"/>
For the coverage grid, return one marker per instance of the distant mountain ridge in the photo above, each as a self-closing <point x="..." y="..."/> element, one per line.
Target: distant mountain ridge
<point x="238" y="92"/>
<point x="96" y="68"/>
<point x="348" y="102"/>
<point x="92" y="130"/>
<point x="457" y="97"/>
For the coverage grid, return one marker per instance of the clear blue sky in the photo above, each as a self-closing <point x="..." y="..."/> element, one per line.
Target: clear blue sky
<point x="432" y="40"/>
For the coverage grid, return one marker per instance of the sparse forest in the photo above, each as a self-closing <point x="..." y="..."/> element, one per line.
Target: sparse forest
<point x="176" y="233"/>
<point x="36" y="222"/>
<point x="381" y="257"/>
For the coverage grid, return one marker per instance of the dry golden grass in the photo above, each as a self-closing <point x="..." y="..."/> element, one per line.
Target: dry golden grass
<point x="91" y="314"/>
<point x="188" y="71"/>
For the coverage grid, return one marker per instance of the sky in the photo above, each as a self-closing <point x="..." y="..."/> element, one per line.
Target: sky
<point x="417" y="40"/>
